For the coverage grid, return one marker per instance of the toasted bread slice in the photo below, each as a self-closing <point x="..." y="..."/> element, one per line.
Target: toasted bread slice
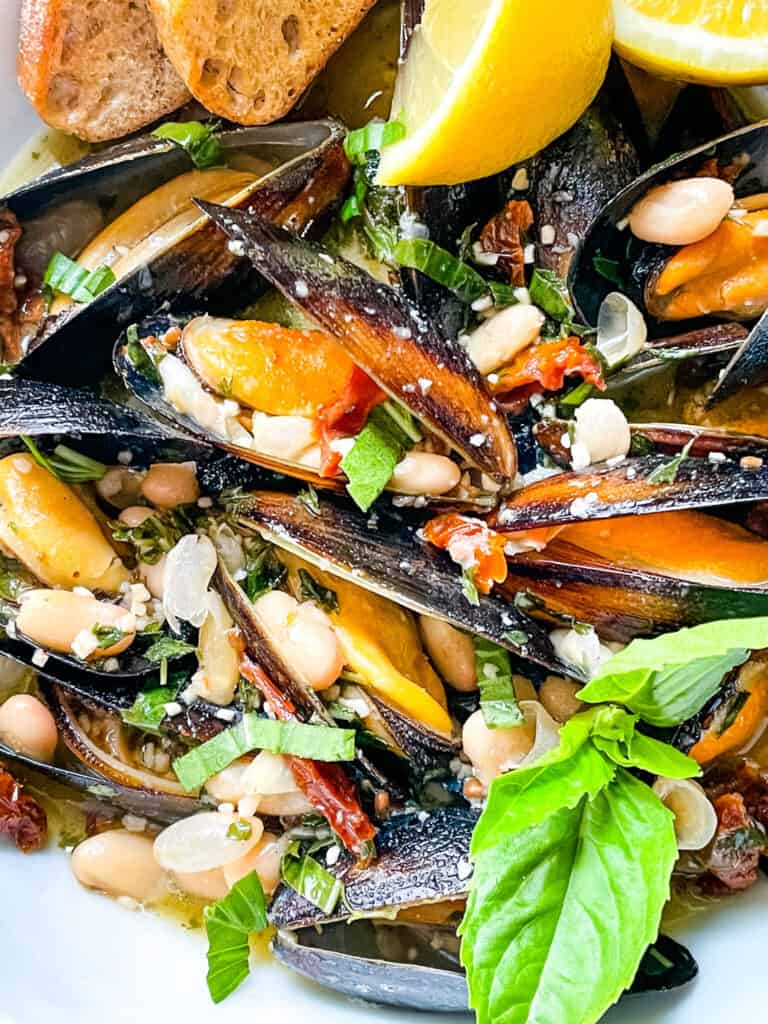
<point x="95" y="68"/>
<point x="251" y="60"/>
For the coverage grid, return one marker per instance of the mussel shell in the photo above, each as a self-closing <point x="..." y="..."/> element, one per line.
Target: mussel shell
<point x="383" y="554"/>
<point x="349" y="959"/>
<point x="385" y="334"/>
<point x="603" y="493"/>
<point x="421" y="858"/>
<point x="568" y="583"/>
<point x="607" y="240"/>
<point x="199" y="266"/>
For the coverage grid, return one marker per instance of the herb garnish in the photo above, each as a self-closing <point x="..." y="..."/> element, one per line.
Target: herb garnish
<point x="228" y="924"/>
<point x="167" y="647"/>
<point x="65" y="277"/>
<point x="310" y="879"/>
<point x="196" y="139"/>
<point x="311" y="590"/>
<point x="68" y="465"/>
<point x="382" y="443"/>
<point x="494" y="679"/>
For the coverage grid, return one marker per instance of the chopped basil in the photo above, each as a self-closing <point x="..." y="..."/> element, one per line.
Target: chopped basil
<point x="310" y="879"/>
<point x="316" y="742"/>
<point x="667" y="472"/>
<point x="469" y="587"/>
<point x="264" y="570"/>
<point x="549" y="292"/>
<point x="517" y="637"/>
<point x="196" y="139"/>
<point x="308" y="498"/>
<point x="380" y="445"/>
<point x="68" y="465"/>
<point x="138" y="356"/>
<point x="458" y="277"/>
<point x="377" y="208"/>
<point x="155" y="537"/>
<point x="148" y="710"/>
<point x="240" y="829"/>
<point x="609" y="269"/>
<point x="311" y="590"/>
<point x="107" y="636"/>
<point x="373" y="136"/>
<point x="65" y="277"/>
<point x="494" y="679"/>
<point x="166" y="647"/>
<point x="228" y="924"/>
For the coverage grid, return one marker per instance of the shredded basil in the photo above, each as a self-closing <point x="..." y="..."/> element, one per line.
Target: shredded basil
<point x="196" y="139"/>
<point x="380" y="445"/>
<point x="264" y="570"/>
<point x="444" y="268"/>
<point x="228" y="924"/>
<point x="549" y="292"/>
<point x="494" y="679"/>
<point x="240" y="829"/>
<point x="316" y="742"/>
<point x="166" y="647"/>
<point x="138" y="356"/>
<point x="311" y="590"/>
<point x="69" y="466"/>
<point x="310" y="501"/>
<point x="609" y="269"/>
<point x="107" y="636"/>
<point x="156" y="535"/>
<point x="469" y="587"/>
<point x="65" y="277"/>
<point x="148" y="710"/>
<point x="667" y="472"/>
<point x="372" y="136"/>
<point x="310" y="879"/>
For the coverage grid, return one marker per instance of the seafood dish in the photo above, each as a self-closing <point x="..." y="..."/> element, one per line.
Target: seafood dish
<point x="384" y="529"/>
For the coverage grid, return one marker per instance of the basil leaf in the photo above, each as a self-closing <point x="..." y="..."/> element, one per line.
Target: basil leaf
<point x="494" y="679"/>
<point x="667" y="472"/>
<point x="138" y="356"/>
<point x="370" y="463"/>
<point x="649" y="755"/>
<point x="196" y="139"/>
<point x="264" y="570"/>
<point x="228" y="924"/>
<point x="316" y="742"/>
<point x="310" y="879"/>
<point x="166" y="647"/>
<point x="549" y="292"/>
<point x="310" y="501"/>
<point x="560" y="915"/>
<point x="311" y="590"/>
<point x="669" y="678"/>
<point x="609" y="269"/>
<point x="148" y="710"/>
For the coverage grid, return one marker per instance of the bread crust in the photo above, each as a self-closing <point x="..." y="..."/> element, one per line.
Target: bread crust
<point x="251" y="60"/>
<point x="95" y="68"/>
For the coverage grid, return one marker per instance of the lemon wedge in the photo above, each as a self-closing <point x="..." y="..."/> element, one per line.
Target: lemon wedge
<point x="715" y="42"/>
<point x="489" y="82"/>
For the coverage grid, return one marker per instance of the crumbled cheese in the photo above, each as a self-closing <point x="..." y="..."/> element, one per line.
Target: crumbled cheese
<point x="424" y="384"/>
<point x="172" y="708"/>
<point x="236" y="246"/>
<point x="302" y="290"/>
<point x="111" y="665"/>
<point x="205" y="502"/>
<point x="580" y="507"/>
<point x="402" y="332"/>
<point x="332" y="856"/>
<point x="464" y="869"/>
<point x="478" y="440"/>
<point x="125" y="458"/>
<point x="716" y="456"/>
<point x="520" y="179"/>
<point x="226" y="808"/>
<point x="82" y="591"/>
<point x="39" y="658"/>
<point x="84" y="644"/>
<point x="581" y="648"/>
<point x="483" y="303"/>
<point x="529" y="253"/>
<point x="602" y="429"/>
<point x="226" y="714"/>
<point x="547" y="234"/>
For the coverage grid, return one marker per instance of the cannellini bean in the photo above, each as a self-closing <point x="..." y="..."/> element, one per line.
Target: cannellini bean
<point x="558" y="696"/>
<point x="219" y="673"/>
<point x="425" y="473"/>
<point x="493" y="751"/>
<point x="27" y="726"/>
<point x="451" y="652"/>
<point x="497" y="341"/>
<point x="601" y="432"/>
<point x="153" y="576"/>
<point x="203" y="842"/>
<point x="135" y="515"/>
<point x="55" y="619"/>
<point x="168" y="484"/>
<point x="264" y="858"/>
<point x="681" y="212"/>
<point x="695" y="817"/>
<point x="205" y="885"/>
<point x="47" y="527"/>
<point x="284" y="437"/>
<point x="285" y="804"/>
<point x="227" y="785"/>
<point x="304" y="636"/>
<point x="120" y="486"/>
<point x="120" y="863"/>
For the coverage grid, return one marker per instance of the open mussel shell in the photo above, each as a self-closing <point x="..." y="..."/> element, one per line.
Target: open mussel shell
<point x="565" y="582"/>
<point x="149" y="390"/>
<point x="421" y="859"/>
<point x="400" y="965"/>
<point x="635" y="487"/>
<point x="293" y="173"/>
<point x="101" y="430"/>
<point x="417" y="967"/>
<point x="385" y="334"/>
<point x="383" y="554"/>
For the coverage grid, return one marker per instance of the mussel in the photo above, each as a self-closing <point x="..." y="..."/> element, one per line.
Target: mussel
<point x="129" y="209"/>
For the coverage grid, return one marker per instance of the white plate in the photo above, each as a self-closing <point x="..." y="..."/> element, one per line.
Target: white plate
<point x="73" y="957"/>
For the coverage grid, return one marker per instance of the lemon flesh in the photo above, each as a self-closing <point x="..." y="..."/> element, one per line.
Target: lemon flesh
<point x="715" y="42"/>
<point x="487" y="83"/>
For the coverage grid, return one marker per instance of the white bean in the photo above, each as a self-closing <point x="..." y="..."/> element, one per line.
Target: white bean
<point x="304" y="636"/>
<point x="168" y="484"/>
<point x="27" y="726"/>
<point x="425" y="473"/>
<point x="227" y="786"/>
<point x="264" y="858"/>
<point x="558" y="696"/>
<point x="206" y="840"/>
<point x="681" y="212"/>
<point x="493" y="751"/>
<point x="55" y="618"/>
<point x="135" y="515"/>
<point x="451" y="652"/>
<point x="283" y="437"/>
<point x="497" y="340"/>
<point x="205" y="885"/>
<point x="120" y="863"/>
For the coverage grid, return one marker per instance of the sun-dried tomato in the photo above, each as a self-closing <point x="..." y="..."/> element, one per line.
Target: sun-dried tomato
<point x="21" y="817"/>
<point x="347" y="416"/>
<point x="546" y="366"/>
<point x="470" y="542"/>
<point x="325" y="785"/>
<point x="503" y="235"/>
